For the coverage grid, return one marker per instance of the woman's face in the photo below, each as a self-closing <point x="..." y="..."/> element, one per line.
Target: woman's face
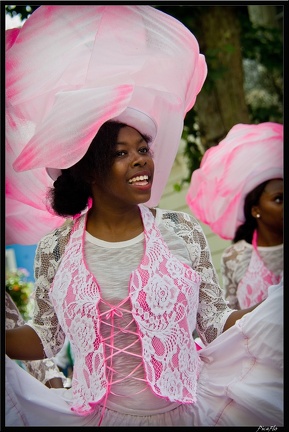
<point x="130" y="178"/>
<point x="270" y="205"/>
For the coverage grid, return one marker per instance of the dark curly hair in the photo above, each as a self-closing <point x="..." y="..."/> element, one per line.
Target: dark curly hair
<point x="246" y="230"/>
<point x="71" y="191"/>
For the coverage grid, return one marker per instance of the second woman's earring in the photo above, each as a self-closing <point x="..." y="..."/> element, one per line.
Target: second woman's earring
<point x="258" y="215"/>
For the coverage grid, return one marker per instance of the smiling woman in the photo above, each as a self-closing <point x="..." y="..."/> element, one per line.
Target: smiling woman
<point x="125" y="282"/>
<point x="117" y="171"/>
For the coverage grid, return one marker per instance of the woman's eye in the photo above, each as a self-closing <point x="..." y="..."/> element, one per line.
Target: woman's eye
<point x="279" y="199"/>
<point x="142" y="150"/>
<point x="120" y="153"/>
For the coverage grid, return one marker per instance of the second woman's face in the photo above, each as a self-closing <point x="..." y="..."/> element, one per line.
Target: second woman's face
<point x="271" y="205"/>
<point x="130" y="178"/>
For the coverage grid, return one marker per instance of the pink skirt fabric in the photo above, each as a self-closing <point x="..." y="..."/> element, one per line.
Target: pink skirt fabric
<point x="241" y="383"/>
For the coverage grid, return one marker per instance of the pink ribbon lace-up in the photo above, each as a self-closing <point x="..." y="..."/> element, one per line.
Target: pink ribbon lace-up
<point x="107" y="318"/>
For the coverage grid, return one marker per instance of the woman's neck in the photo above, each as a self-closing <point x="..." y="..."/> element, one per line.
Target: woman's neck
<point x="114" y="225"/>
<point x="266" y="238"/>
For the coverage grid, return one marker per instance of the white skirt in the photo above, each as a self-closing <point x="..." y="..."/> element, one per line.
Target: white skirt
<point x="241" y="383"/>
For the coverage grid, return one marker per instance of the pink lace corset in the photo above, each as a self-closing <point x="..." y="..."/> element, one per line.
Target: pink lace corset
<point x="253" y="287"/>
<point x="164" y="300"/>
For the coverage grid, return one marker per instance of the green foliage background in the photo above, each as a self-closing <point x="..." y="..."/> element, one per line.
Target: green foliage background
<point x="20" y="290"/>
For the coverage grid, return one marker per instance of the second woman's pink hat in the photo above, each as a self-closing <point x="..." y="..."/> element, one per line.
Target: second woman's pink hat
<point x="249" y="155"/>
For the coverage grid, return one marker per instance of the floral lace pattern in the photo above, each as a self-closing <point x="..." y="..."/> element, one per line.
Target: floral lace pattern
<point x="253" y="287"/>
<point x="212" y="310"/>
<point x="164" y="294"/>
<point x="235" y="262"/>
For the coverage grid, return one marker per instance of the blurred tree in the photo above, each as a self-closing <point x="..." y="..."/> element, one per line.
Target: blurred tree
<point x="19" y="9"/>
<point x="262" y="44"/>
<point x="221" y="103"/>
<point x="244" y="51"/>
<point x="228" y="36"/>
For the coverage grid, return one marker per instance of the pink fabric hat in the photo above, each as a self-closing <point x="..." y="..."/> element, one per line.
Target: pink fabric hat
<point x="71" y="68"/>
<point x="245" y="158"/>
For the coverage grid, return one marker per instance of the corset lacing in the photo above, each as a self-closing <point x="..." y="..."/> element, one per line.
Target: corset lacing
<point x="107" y="318"/>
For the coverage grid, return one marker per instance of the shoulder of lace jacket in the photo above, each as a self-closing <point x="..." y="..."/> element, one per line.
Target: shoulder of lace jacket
<point x="181" y="220"/>
<point x="178" y="215"/>
<point x="50" y="249"/>
<point x="235" y="251"/>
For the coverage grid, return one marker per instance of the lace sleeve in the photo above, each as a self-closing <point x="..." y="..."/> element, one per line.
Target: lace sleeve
<point x="43" y="370"/>
<point x="47" y="258"/>
<point x="13" y="317"/>
<point x="228" y="266"/>
<point x="213" y="310"/>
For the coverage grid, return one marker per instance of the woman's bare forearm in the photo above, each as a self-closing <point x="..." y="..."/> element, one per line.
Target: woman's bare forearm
<point x="23" y="343"/>
<point x="234" y="316"/>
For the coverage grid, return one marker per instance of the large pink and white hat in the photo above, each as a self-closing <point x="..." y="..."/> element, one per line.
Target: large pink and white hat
<point x="249" y="155"/>
<point x="71" y="68"/>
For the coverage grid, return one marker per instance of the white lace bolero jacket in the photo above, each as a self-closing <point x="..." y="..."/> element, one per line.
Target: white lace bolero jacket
<point x="184" y="237"/>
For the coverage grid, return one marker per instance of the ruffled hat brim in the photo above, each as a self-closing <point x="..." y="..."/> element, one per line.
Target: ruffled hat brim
<point x="249" y="155"/>
<point x="131" y="117"/>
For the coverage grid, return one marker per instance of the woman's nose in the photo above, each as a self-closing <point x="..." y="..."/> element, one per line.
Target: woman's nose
<point x="139" y="163"/>
<point x="138" y="160"/>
